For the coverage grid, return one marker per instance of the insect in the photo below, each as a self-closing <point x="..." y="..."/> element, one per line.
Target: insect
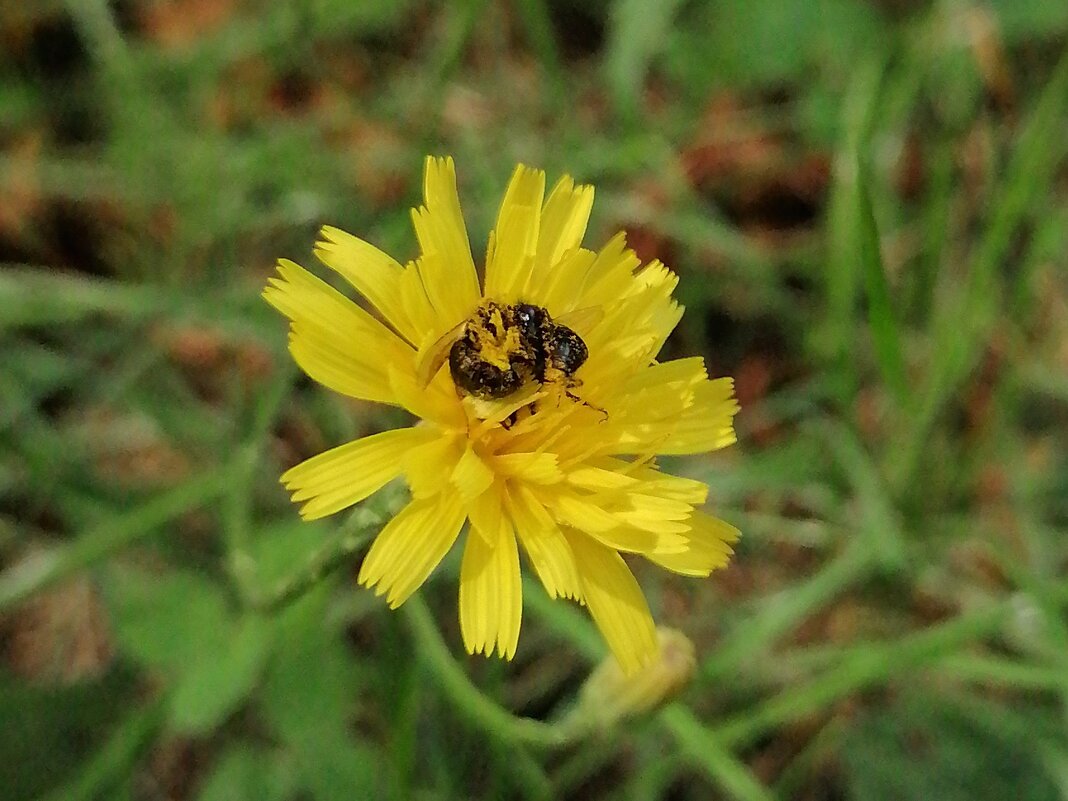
<point x="502" y="347"/>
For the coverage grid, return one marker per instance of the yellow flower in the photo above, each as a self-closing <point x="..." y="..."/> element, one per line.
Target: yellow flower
<point x="567" y="472"/>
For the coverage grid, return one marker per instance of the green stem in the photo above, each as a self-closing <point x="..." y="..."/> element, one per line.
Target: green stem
<point x="578" y="768"/>
<point x="472" y="702"/>
<point x="712" y="754"/>
<point x="529" y="776"/>
<point x="980" y="669"/>
<point x="320" y="565"/>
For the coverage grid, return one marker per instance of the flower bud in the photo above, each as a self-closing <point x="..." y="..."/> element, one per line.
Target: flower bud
<point x="610" y="695"/>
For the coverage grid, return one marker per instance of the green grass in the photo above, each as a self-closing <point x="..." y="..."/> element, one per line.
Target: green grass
<point x="866" y="204"/>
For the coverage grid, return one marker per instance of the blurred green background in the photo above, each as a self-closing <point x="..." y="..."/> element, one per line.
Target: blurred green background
<point x="867" y="203"/>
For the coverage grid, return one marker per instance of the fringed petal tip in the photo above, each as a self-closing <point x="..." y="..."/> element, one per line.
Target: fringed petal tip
<point x="435" y="165"/>
<point x="491" y="594"/>
<point x="488" y="648"/>
<point x="523" y="173"/>
<point x="393" y="601"/>
<point x="709" y="548"/>
<point x="410" y="546"/>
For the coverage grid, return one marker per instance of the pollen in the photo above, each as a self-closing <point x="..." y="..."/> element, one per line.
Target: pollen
<point x="498" y="342"/>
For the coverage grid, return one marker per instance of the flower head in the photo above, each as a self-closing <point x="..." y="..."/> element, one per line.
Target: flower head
<point x="559" y="458"/>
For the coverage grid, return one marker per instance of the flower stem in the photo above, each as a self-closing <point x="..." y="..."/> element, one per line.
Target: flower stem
<point x="320" y="565"/>
<point x="472" y="702"/>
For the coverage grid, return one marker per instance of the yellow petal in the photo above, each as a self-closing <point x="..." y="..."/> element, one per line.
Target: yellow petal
<point x="446" y="267"/>
<point x="347" y="474"/>
<point x="411" y="545"/>
<point x="471" y="476"/>
<point x="336" y="368"/>
<point x="563" y="224"/>
<point x="675" y="375"/>
<point x="708" y="547"/>
<point x="609" y="474"/>
<point x="607" y="526"/>
<point x="373" y="274"/>
<point x="535" y="468"/>
<point x="615" y="602"/>
<point x="559" y="292"/>
<point x="655" y="507"/>
<point x="598" y="479"/>
<point x="577" y="511"/>
<point x="491" y="593"/>
<point x="707" y="424"/>
<point x="544" y="544"/>
<point x="657" y="392"/>
<point x="486" y="413"/>
<point x="651" y="305"/>
<point x="685" y="420"/>
<point x="515" y="237"/>
<point x="610" y="276"/>
<point x="486" y="514"/>
<point x="655" y="275"/>
<point x="676" y="488"/>
<point x="564" y="219"/>
<point x="335" y="341"/>
<point x="426" y="324"/>
<point x="436" y="402"/>
<point x="427" y="467"/>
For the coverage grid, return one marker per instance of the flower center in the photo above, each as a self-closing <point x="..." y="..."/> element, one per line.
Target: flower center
<point x="504" y="347"/>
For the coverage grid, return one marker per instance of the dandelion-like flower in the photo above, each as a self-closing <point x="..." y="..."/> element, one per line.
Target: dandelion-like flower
<point x="564" y="465"/>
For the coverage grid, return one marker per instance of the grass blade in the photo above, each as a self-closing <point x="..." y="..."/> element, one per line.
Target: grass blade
<point x="959" y="332"/>
<point x="885" y="330"/>
<point x="114" y="761"/>
<point x="637" y="31"/>
<point x="25" y="579"/>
